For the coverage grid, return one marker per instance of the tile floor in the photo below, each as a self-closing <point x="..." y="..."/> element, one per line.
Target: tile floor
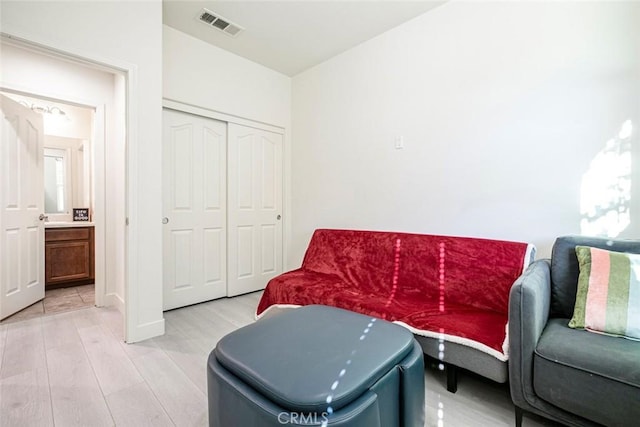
<point x="57" y="301"/>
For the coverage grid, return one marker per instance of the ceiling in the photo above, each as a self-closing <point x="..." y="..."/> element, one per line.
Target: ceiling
<point x="292" y="36"/>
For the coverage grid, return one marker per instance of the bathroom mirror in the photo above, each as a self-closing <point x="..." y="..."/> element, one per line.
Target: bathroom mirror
<point x="56" y="181"/>
<point x="66" y="176"/>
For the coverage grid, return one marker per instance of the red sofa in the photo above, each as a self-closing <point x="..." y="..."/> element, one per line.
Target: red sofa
<point x="451" y="292"/>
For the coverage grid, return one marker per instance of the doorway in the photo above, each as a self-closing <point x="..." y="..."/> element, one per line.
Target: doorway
<point x="66" y="166"/>
<point x="58" y="84"/>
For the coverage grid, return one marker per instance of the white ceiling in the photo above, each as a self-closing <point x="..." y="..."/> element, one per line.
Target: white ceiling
<point x="292" y="36"/>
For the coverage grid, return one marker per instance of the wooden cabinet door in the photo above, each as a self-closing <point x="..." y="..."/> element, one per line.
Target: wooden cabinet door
<point x="69" y="256"/>
<point x="67" y="261"/>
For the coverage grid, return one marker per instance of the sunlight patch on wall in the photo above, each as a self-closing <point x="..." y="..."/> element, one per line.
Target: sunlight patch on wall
<point x="605" y="194"/>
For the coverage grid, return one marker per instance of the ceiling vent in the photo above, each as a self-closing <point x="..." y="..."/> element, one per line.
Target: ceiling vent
<point x="219" y="23"/>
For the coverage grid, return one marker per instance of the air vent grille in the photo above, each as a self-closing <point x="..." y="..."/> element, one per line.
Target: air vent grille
<point x="207" y="18"/>
<point x="219" y="23"/>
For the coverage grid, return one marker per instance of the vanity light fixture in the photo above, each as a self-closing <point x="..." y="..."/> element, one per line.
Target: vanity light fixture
<point x="53" y="110"/>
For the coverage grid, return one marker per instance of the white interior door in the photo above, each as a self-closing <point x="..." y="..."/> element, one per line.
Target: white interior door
<point x="255" y="208"/>
<point x="194" y="199"/>
<point x="22" y="197"/>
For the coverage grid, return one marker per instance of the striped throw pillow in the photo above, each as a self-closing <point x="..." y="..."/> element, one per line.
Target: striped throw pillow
<point x="608" y="297"/>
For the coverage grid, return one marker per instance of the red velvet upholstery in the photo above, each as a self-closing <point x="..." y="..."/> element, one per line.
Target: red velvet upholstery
<point x="449" y="285"/>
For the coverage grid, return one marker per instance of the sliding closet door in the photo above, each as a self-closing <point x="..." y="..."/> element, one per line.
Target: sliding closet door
<point x="194" y="204"/>
<point x="255" y="208"/>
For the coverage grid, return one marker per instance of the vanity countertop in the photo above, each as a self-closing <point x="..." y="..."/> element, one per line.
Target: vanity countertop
<point x="64" y="224"/>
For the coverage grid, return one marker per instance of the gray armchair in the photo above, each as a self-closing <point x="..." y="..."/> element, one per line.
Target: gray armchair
<point x="576" y="377"/>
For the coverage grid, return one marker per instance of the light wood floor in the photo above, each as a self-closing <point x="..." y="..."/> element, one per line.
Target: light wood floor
<point x="73" y="369"/>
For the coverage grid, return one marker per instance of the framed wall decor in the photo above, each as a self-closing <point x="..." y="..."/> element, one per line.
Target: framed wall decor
<point x="81" y="214"/>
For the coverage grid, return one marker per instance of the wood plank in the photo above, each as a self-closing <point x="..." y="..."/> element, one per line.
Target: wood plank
<point x="111" y="366"/>
<point x="200" y="322"/>
<point x="59" y="329"/>
<point x="187" y="355"/>
<point x="181" y="399"/>
<point x="138" y="349"/>
<point x="86" y="318"/>
<point x="250" y="301"/>
<point x="231" y="310"/>
<point x="137" y="406"/>
<point x="24" y="348"/>
<point x="25" y="399"/>
<point x="3" y="339"/>
<point x="75" y="394"/>
<point x="112" y="320"/>
<point x="190" y="327"/>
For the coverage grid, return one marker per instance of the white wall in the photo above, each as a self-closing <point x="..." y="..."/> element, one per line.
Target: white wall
<point x="199" y="74"/>
<point x="128" y="34"/>
<point x="116" y="173"/>
<point x="501" y="106"/>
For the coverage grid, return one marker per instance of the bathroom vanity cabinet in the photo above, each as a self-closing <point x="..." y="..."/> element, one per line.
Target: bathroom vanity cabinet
<point x="69" y="256"/>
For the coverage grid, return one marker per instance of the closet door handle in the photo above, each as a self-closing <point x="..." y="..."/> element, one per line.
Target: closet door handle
<point x="279" y="217"/>
<point x="165" y="220"/>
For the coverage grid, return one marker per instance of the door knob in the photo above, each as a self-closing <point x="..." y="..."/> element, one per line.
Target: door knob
<point x="43" y="217"/>
<point x="278" y="217"/>
<point x="165" y="220"/>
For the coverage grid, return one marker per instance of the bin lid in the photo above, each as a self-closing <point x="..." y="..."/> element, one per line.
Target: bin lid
<point x="314" y="357"/>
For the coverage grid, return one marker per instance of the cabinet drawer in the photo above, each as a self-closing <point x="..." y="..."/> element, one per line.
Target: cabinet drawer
<point x="62" y="234"/>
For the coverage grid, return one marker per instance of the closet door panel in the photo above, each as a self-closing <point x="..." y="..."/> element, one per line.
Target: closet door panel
<point x="243" y="169"/>
<point x="269" y="178"/>
<point x="194" y="205"/>
<point x="214" y="182"/>
<point x="181" y="148"/>
<point x="214" y="247"/>
<point x="255" y="203"/>
<point x="182" y="244"/>
<point x="268" y="259"/>
<point x="244" y="264"/>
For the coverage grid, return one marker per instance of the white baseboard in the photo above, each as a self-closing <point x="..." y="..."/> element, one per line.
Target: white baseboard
<point x="114" y="300"/>
<point x="140" y="332"/>
<point x="146" y="331"/>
